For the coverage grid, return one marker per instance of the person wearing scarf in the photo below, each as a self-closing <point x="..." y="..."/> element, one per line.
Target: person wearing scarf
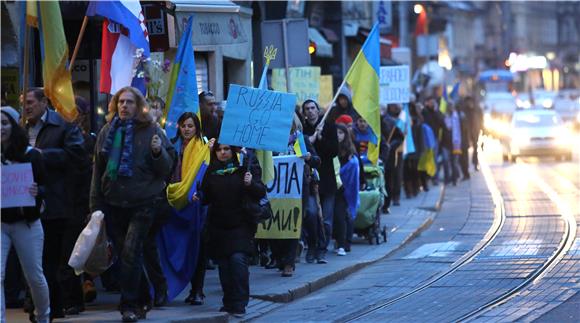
<point x="182" y="244"/>
<point x="231" y="232"/>
<point x="133" y="158"/>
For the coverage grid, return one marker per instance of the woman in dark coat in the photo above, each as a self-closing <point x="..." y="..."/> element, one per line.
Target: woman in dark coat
<point x="231" y="232"/>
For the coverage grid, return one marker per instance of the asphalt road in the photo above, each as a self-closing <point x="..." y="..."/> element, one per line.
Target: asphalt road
<point x="504" y="247"/>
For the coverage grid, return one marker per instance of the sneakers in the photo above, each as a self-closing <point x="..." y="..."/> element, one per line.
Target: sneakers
<point x="310" y="256"/>
<point x="341" y="252"/>
<point x="322" y="259"/>
<point x="129" y="316"/>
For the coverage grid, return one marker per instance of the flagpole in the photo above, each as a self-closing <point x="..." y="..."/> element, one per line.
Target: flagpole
<point x="78" y="44"/>
<point x="26" y="59"/>
<point x="332" y="102"/>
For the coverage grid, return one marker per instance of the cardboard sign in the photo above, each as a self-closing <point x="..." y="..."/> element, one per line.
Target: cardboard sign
<point x="394" y="83"/>
<point x="326" y="90"/>
<point x="257" y="118"/>
<point x="16" y="181"/>
<point x="304" y="82"/>
<point x="285" y="195"/>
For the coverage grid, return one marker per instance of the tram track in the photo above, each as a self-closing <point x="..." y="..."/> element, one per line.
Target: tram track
<point x="500" y="216"/>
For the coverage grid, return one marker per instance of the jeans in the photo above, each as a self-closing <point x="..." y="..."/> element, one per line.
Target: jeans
<point x="327" y="203"/>
<point x="455" y="167"/>
<point x="235" y="280"/>
<point x="28" y="241"/>
<point x="343" y="222"/>
<point x="312" y="226"/>
<point x="444" y="161"/>
<point x="130" y="228"/>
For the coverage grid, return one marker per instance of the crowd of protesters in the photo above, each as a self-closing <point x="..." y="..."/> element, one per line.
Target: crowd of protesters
<point x="134" y="174"/>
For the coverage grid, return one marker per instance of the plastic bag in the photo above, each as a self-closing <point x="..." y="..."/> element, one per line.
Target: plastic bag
<point x="85" y="242"/>
<point x="101" y="257"/>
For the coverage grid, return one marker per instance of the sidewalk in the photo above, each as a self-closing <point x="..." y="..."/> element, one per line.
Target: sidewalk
<point x="268" y="289"/>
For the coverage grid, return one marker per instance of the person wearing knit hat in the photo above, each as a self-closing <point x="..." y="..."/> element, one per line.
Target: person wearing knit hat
<point x="344" y="119"/>
<point x="13" y="113"/>
<point x="21" y="226"/>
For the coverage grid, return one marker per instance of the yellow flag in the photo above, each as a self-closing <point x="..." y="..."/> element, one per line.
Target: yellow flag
<point x="57" y="79"/>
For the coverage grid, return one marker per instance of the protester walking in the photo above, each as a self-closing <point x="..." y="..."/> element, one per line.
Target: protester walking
<point x="323" y="137"/>
<point x="133" y="159"/>
<point x="62" y="149"/>
<point x="21" y="226"/>
<point x="225" y="186"/>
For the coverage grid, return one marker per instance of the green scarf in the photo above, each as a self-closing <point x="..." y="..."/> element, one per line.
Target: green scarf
<point x="229" y="168"/>
<point x="115" y="155"/>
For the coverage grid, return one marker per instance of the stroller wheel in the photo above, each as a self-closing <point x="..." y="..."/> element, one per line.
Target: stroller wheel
<point x="377" y="238"/>
<point x="370" y="236"/>
<point x="384" y="233"/>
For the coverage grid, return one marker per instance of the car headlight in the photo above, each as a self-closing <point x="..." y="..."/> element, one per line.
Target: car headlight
<point x="520" y="139"/>
<point x="578" y="117"/>
<point x="547" y="103"/>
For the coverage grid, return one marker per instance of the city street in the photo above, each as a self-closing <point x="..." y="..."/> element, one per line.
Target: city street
<point x="517" y="261"/>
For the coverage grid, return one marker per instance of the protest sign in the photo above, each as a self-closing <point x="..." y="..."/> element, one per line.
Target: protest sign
<point x="257" y="118"/>
<point x="326" y="91"/>
<point x="394" y="83"/>
<point x="285" y="195"/>
<point x="16" y="181"/>
<point x="304" y="81"/>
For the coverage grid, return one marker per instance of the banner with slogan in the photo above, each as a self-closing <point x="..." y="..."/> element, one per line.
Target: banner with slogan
<point x="285" y="195"/>
<point x="304" y="81"/>
<point x="256" y="118"/>
<point x="16" y="181"/>
<point x="394" y="84"/>
<point x="326" y="90"/>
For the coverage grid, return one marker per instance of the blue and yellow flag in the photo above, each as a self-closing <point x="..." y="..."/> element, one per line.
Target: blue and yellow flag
<point x="182" y="94"/>
<point x="300" y="145"/>
<point x="363" y="79"/>
<point x="57" y="78"/>
<point x="444" y="100"/>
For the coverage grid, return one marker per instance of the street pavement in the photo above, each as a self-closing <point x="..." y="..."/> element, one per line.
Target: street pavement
<point x="268" y="289"/>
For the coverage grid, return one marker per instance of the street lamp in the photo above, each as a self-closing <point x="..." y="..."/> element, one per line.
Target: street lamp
<point x="418" y="8"/>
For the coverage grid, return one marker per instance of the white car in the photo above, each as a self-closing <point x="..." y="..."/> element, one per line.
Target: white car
<point x="537" y="132"/>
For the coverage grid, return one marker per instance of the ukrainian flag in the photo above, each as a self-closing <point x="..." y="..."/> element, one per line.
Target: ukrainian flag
<point x="57" y="78"/>
<point x="182" y="93"/>
<point x="363" y="79"/>
<point x="299" y="145"/>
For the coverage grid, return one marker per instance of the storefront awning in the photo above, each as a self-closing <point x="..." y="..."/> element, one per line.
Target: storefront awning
<point x="323" y="47"/>
<point x="206" y="6"/>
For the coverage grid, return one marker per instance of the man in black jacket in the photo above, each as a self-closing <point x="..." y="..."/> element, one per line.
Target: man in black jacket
<point x="325" y="141"/>
<point x="61" y="144"/>
<point x="392" y="138"/>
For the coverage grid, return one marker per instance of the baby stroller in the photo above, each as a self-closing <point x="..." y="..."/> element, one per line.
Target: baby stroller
<point x="368" y="216"/>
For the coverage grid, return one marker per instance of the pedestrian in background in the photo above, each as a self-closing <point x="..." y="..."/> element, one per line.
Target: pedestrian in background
<point x="133" y="159"/>
<point x="62" y="149"/>
<point x="323" y="137"/>
<point x="21" y="226"/>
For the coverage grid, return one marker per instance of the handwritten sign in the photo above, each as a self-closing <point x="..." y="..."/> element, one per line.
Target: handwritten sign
<point x="394" y="83"/>
<point x="16" y="181"/>
<point x="326" y="90"/>
<point x="304" y="82"/>
<point x="257" y="118"/>
<point x="285" y="195"/>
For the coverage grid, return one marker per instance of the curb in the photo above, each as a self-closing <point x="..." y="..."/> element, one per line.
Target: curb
<point x="301" y="291"/>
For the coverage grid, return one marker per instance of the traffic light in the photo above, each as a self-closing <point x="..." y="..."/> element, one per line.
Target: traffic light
<point x="312" y="48"/>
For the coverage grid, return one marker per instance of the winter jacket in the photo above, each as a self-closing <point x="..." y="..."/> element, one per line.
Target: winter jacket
<point x="327" y="149"/>
<point x="149" y="172"/>
<point x="388" y="148"/>
<point x="229" y="228"/>
<point x="32" y="213"/>
<point x="63" y="152"/>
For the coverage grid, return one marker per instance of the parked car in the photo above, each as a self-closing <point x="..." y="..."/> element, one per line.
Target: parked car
<point x="537" y="132"/>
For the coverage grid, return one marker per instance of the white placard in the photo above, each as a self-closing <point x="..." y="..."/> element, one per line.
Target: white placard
<point x="16" y="182"/>
<point x="394" y="84"/>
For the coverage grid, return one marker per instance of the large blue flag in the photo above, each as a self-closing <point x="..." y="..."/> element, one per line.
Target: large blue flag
<point x="182" y="94"/>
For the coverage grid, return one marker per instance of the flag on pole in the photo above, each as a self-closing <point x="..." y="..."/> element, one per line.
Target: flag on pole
<point x="54" y="50"/>
<point x="182" y="93"/>
<point x="404" y="123"/>
<point x="125" y="37"/>
<point x="363" y="79"/>
<point x="265" y="157"/>
<point x="300" y="145"/>
<point x="454" y="95"/>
